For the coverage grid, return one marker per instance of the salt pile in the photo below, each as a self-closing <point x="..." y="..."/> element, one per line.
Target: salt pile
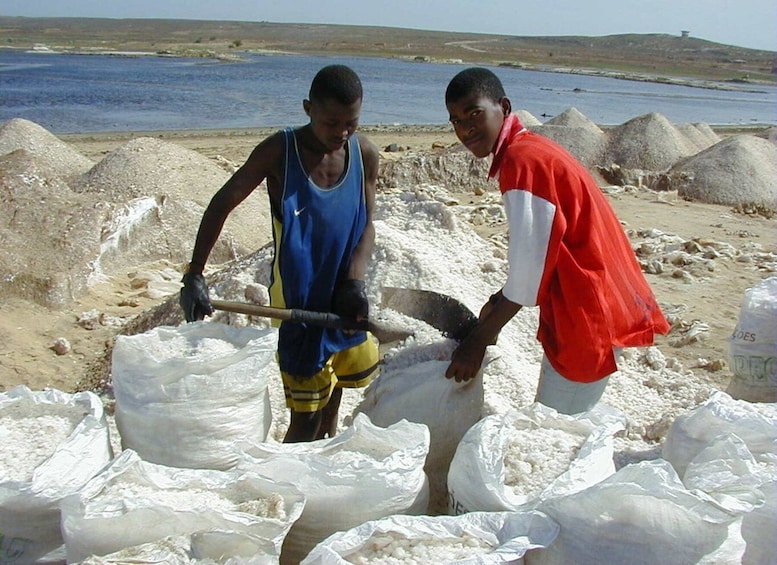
<point x="739" y="171"/>
<point x="582" y="142"/>
<point x="707" y="132"/>
<point x="648" y="142"/>
<point x="572" y="117"/>
<point x="149" y="167"/>
<point x="55" y="157"/>
<point x="700" y="136"/>
<point x="576" y="133"/>
<point x="49" y="233"/>
<point x="528" y="119"/>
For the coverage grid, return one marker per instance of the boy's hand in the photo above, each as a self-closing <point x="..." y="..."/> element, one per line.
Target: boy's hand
<point x="466" y="359"/>
<point x="350" y="300"/>
<point x="194" y="299"/>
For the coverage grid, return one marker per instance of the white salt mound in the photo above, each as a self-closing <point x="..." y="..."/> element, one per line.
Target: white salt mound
<point x="50" y="234"/>
<point x="700" y="139"/>
<point x="55" y="157"/>
<point x="577" y="134"/>
<point x="738" y="171"/>
<point x="572" y="117"/>
<point x="584" y="143"/>
<point x="147" y="166"/>
<point x="527" y="118"/>
<point x="649" y="142"/>
<point x="708" y="133"/>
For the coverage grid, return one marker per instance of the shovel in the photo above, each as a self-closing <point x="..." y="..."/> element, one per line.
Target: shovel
<point x="383" y="332"/>
<point x="440" y="311"/>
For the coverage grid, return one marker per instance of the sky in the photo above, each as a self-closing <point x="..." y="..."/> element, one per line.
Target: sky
<point x="746" y="23"/>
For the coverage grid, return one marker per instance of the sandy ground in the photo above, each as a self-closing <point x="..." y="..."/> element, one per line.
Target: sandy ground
<point x="28" y="332"/>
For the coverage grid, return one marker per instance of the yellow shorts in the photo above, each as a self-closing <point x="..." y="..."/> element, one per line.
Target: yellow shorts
<point x="350" y="368"/>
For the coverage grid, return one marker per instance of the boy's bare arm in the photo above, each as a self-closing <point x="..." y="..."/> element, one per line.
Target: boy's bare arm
<point x="361" y="255"/>
<point x="263" y="163"/>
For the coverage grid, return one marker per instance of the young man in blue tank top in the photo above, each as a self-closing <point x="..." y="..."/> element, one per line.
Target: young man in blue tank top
<point x="321" y="183"/>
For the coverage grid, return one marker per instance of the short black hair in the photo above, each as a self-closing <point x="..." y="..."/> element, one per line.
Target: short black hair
<point x="475" y="80"/>
<point x="336" y="82"/>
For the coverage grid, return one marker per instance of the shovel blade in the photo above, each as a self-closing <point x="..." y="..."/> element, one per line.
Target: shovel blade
<point x="440" y="311"/>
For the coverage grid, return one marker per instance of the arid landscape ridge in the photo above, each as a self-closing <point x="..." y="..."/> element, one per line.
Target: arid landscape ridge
<point x="634" y="56"/>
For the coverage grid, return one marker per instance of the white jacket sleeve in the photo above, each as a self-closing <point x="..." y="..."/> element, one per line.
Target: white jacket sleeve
<point x="530" y="220"/>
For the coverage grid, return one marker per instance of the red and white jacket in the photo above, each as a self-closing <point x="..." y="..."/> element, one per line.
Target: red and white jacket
<point x="569" y="255"/>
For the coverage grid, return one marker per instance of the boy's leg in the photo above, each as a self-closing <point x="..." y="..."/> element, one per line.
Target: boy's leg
<point x="328" y="427"/>
<point x="307" y="398"/>
<point x="315" y="401"/>
<point x="565" y="396"/>
<point x="303" y="426"/>
<point x="355" y="367"/>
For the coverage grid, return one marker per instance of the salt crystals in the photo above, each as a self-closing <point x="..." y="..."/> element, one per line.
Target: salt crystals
<point x="535" y="457"/>
<point x="391" y="548"/>
<point x="191" y="499"/>
<point x="201" y="349"/>
<point x="30" y="434"/>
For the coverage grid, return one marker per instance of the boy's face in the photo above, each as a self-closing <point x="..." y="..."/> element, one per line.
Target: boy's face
<point x="332" y="123"/>
<point x="477" y="121"/>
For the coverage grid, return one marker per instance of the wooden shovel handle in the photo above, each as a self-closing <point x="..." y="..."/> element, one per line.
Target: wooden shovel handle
<point x="324" y="319"/>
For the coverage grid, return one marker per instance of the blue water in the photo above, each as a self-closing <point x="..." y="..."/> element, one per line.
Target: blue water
<point x="79" y="93"/>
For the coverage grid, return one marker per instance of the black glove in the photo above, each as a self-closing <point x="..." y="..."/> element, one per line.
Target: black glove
<point x="350" y="300"/>
<point x="194" y="299"/>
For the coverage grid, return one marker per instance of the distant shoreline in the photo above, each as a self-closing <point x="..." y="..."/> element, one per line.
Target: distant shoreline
<point x="260" y="132"/>
<point x="729" y="86"/>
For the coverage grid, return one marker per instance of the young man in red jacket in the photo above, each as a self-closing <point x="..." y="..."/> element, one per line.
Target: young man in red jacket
<point x="568" y="254"/>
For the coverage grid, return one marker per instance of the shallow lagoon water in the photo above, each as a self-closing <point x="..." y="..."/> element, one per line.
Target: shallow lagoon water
<point x="79" y="93"/>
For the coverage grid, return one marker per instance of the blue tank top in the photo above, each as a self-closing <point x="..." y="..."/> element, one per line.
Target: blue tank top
<point x="315" y="237"/>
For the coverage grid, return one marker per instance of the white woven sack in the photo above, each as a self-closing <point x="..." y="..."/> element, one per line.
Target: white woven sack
<point x="476" y="480"/>
<point x="641" y="515"/>
<point x="132" y="502"/>
<point x="420" y="393"/>
<point x="752" y="353"/>
<point x="29" y="508"/>
<point x="185" y="395"/>
<point x="728" y="472"/>
<point x="493" y="538"/>
<point x="693" y="431"/>
<point x="363" y="473"/>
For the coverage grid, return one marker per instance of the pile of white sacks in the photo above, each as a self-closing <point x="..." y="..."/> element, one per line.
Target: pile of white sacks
<point x="198" y="479"/>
